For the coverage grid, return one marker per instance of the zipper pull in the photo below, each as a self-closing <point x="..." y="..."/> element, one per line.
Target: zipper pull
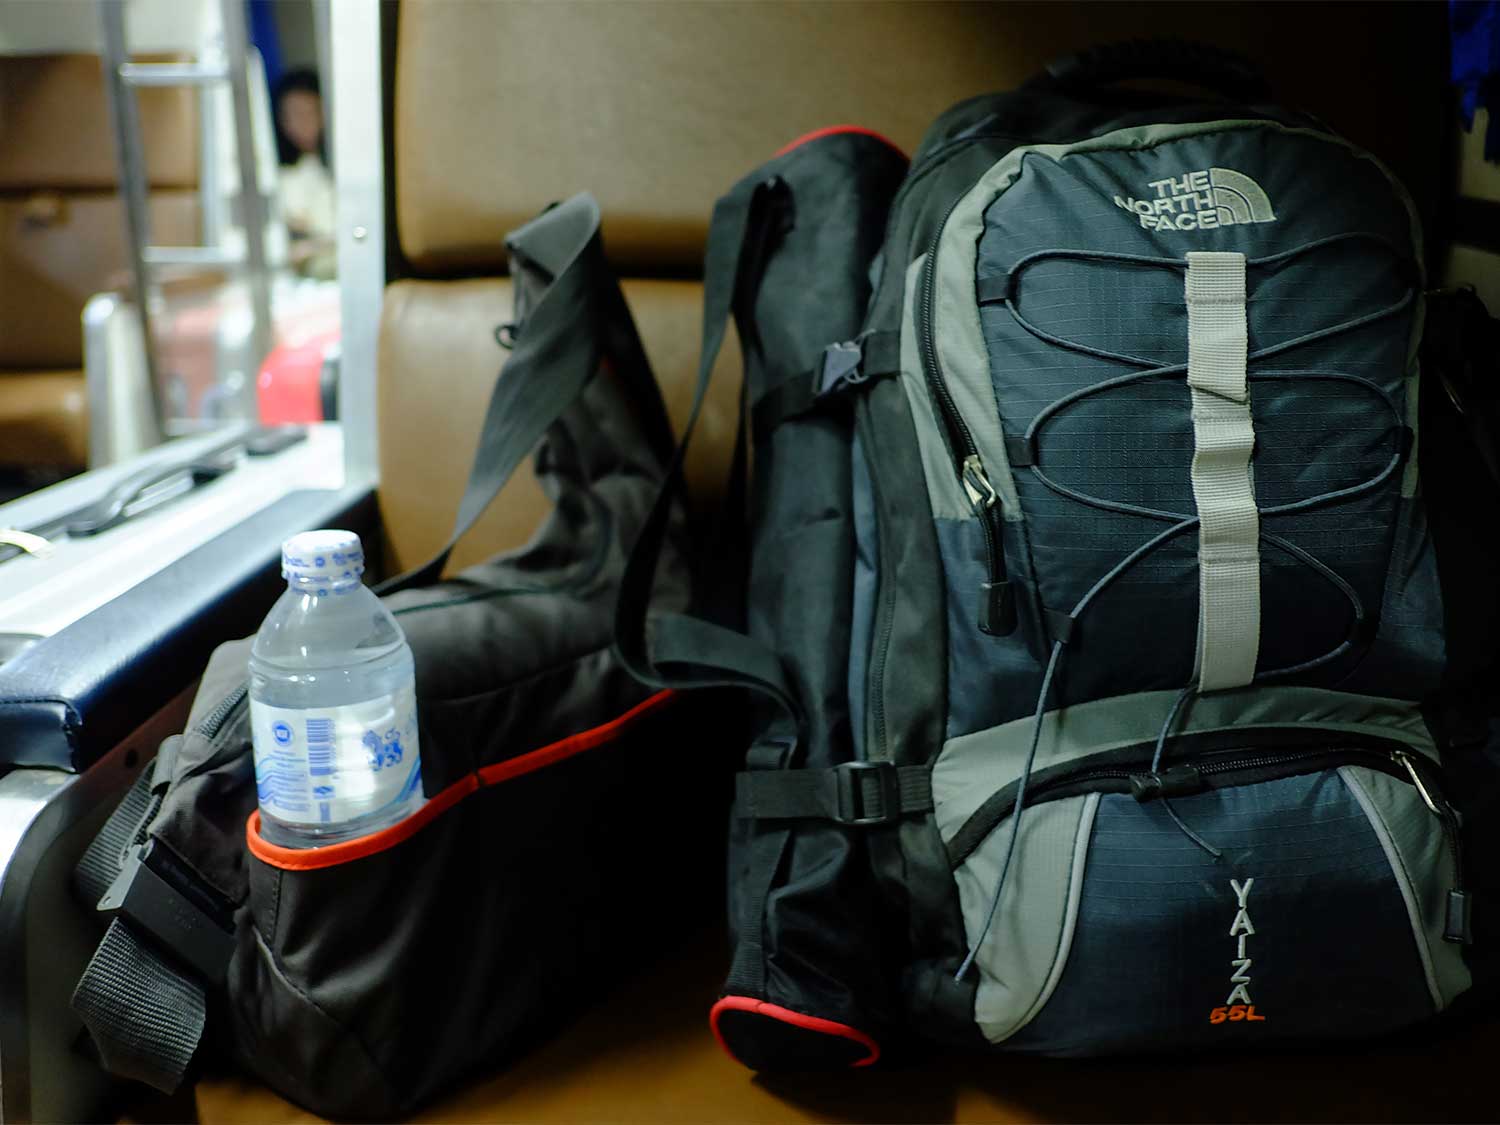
<point x="1181" y="780"/>
<point x="1416" y="779"/>
<point x="982" y="494"/>
<point x="997" y="602"/>
<point x="1458" y="915"/>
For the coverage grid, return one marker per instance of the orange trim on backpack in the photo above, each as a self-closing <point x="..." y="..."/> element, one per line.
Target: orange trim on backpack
<point x="308" y="859"/>
<point x="796" y="1019"/>
<point x="834" y="130"/>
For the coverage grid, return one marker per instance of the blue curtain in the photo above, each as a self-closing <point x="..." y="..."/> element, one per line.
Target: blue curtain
<point x="260" y="22"/>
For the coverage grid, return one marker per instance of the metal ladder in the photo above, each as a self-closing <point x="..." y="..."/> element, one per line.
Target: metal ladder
<point x="227" y="64"/>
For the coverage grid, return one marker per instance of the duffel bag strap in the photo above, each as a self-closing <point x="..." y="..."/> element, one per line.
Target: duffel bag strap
<point x="678" y="650"/>
<point x="579" y="318"/>
<point x="143" y="996"/>
<point x="144" y="1016"/>
<point x="854" y="794"/>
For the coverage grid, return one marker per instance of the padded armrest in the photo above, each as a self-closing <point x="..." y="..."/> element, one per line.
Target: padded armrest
<point x="72" y="697"/>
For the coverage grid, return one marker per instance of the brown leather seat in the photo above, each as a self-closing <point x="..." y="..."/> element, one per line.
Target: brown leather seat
<point x="62" y="236"/>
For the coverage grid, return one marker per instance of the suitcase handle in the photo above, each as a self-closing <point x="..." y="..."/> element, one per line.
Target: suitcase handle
<point x="1213" y="68"/>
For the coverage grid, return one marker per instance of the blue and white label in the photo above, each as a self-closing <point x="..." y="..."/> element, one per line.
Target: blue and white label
<point x="329" y="765"/>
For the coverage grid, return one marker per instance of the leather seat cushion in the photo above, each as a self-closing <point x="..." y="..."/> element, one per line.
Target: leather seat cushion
<point x="438" y="361"/>
<point x="43" y="419"/>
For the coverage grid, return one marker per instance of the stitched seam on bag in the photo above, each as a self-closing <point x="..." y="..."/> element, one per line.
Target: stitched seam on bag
<point x="280" y="970"/>
<point x="275" y="906"/>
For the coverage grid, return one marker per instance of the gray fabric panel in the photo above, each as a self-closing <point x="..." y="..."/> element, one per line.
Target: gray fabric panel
<point x="944" y="492"/>
<point x="1025" y="942"/>
<point x="1081" y="842"/>
<point x="866" y="582"/>
<point x="1153" y="954"/>
<point x="973" y="766"/>
<point x="1423" y="864"/>
<point x="976" y="660"/>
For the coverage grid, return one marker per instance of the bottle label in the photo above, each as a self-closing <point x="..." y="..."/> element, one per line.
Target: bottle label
<point x="329" y="765"/>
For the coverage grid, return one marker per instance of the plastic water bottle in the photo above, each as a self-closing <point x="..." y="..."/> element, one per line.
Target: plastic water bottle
<point x="333" y="709"/>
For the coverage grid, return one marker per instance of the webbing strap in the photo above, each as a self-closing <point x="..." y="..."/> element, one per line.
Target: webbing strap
<point x="856" y="793"/>
<point x="557" y="351"/>
<point x="104" y="857"/>
<point x="144" y="1015"/>
<point x="682" y="651"/>
<point x="1223" y="441"/>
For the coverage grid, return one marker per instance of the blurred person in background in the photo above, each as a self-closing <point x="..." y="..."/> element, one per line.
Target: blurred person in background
<point x="307" y="192"/>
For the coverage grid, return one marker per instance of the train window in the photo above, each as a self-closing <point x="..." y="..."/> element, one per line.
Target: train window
<point x="170" y="337"/>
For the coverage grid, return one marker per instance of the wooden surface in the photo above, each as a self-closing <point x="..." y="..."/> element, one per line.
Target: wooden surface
<point x="646" y="1055"/>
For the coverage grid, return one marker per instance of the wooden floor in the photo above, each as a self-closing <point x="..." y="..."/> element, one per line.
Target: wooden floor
<point x="646" y="1055"/>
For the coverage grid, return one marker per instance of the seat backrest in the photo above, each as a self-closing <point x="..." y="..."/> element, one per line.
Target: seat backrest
<point x="62" y="226"/>
<point x="658" y="106"/>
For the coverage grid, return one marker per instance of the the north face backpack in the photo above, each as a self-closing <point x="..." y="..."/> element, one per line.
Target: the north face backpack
<point x="1163" y="719"/>
<point x="361" y="978"/>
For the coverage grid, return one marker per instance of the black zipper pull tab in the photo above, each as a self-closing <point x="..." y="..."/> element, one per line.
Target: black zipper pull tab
<point x="1175" y="781"/>
<point x="1458" y="921"/>
<point x="997" y="603"/>
<point x="1458" y="915"/>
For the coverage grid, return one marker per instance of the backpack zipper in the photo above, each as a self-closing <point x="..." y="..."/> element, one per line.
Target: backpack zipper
<point x="210" y="725"/>
<point x="1185" y="778"/>
<point x="997" y="603"/>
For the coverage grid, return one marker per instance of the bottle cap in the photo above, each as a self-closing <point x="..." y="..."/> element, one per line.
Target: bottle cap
<point x="321" y="561"/>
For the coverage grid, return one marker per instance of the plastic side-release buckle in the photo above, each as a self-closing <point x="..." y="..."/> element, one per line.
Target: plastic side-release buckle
<point x="163" y="899"/>
<point x="868" y="793"/>
<point x="841" y="369"/>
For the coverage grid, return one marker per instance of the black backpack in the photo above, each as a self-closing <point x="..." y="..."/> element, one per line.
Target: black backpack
<point x="1117" y="603"/>
<point x="360" y="979"/>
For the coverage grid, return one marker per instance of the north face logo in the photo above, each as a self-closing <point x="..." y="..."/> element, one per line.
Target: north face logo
<point x="1210" y="197"/>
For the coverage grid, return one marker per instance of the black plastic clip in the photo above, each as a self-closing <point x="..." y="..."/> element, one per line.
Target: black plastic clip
<point x="164" y="900"/>
<point x="1175" y="781"/>
<point x="1458" y="919"/>
<point x="997" y="608"/>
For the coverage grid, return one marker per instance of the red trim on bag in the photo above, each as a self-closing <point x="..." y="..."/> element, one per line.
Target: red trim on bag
<point x="834" y="130"/>
<point x="308" y="859"/>
<point x="796" y="1019"/>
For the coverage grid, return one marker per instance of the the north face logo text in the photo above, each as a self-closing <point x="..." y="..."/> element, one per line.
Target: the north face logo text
<point x="1209" y="197"/>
